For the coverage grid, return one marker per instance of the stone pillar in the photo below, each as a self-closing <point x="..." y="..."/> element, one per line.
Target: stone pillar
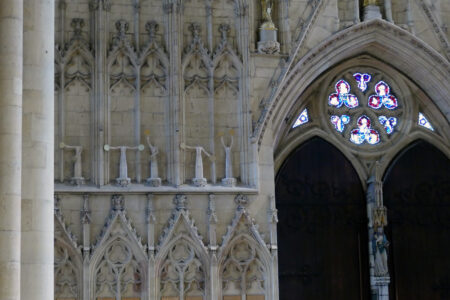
<point x="11" y="33"/>
<point x="38" y="150"/>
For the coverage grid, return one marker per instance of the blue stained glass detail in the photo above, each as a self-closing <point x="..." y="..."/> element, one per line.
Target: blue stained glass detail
<point x="302" y="118"/>
<point x="342" y="96"/>
<point x="339" y="122"/>
<point x="388" y="123"/>
<point x="362" y="80"/>
<point x="364" y="132"/>
<point x="424" y="122"/>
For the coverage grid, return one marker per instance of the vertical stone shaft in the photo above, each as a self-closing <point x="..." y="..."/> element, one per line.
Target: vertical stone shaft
<point x="38" y="150"/>
<point x="174" y="40"/>
<point x="11" y="34"/>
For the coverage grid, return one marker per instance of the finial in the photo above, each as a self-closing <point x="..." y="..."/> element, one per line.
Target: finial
<point x="180" y="201"/>
<point x="152" y="28"/>
<point x="77" y="25"/>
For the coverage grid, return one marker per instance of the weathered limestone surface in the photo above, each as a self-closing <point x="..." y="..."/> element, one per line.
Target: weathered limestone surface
<point x="37" y="152"/>
<point x="11" y="18"/>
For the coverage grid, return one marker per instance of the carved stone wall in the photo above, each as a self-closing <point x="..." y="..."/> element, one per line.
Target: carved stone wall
<point x="188" y="73"/>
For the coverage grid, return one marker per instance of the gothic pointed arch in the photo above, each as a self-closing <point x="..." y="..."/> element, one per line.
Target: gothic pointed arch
<point x="416" y="188"/>
<point x="339" y="120"/>
<point x="322" y="225"/>
<point x="380" y="39"/>
<point x="118" y="257"/>
<point x="244" y="259"/>
<point x="182" y="262"/>
<point x="68" y="259"/>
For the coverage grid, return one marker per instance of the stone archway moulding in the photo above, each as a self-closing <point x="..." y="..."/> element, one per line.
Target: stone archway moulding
<point x="377" y="38"/>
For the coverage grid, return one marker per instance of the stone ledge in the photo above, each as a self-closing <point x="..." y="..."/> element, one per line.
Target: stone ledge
<point x="135" y="188"/>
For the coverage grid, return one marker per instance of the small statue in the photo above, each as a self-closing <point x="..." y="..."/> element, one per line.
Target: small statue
<point x="198" y="180"/>
<point x="77" y="178"/>
<point x="267" y="43"/>
<point x="379" y="247"/>
<point x="153" y="180"/>
<point x="228" y="180"/>
<point x="123" y="179"/>
<point x="266" y="11"/>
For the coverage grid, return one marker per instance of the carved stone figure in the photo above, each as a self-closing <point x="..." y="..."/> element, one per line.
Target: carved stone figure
<point x="77" y="178"/>
<point x="123" y="180"/>
<point x="228" y="180"/>
<point x="153" y="180"/>
<point x="379" y="247"/>
<point x="266" y="11"/>
<point x="267" y="31"/>
<point x="198" y="180"/>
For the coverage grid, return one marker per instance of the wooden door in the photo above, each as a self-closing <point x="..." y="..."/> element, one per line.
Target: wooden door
<point x="417" y="195"/>
<point x="322" y="229"/>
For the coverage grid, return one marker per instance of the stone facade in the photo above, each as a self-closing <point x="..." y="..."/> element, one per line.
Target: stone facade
<point x="187" y="73"/>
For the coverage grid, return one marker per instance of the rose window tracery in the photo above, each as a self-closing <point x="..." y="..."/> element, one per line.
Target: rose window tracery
<point x="363" y="108"/>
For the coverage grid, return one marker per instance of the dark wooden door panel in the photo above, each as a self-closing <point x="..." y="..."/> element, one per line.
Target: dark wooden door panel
<point x="322" y="229"/>
<point x="417" y="195"/>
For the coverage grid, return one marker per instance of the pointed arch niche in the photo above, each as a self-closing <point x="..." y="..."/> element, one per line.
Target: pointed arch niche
<point x="322" y="232"/>
<point x="417" y="195"/>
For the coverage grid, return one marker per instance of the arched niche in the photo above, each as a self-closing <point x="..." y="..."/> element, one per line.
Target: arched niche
<point x="417" y="195"/>
<point x="322" y="229"/>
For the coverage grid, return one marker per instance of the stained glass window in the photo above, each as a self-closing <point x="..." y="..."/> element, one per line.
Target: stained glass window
<point x="382" y="97"/>
<point x="424" y="122"/>
<point x="302" y="118"/>
<point x="340" y="122"/>
<point x="362" y="80"/>
<point x="364" y="118"/>
<point x="342" y="96"/>
<point x="388" y="123"/>
<point x="364" y="132"/>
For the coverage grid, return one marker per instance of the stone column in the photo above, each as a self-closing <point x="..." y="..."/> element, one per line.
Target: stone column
<point x="38" y="150"/>
<point x="11" y="33"/>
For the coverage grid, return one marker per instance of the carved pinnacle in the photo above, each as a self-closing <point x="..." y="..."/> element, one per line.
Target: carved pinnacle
<point x="152" y="28"/>
<point x="224" y="29"/>
<point x="180" y="202"/>
<point x="195" y="29"/>
<point x="241" y="201"/>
